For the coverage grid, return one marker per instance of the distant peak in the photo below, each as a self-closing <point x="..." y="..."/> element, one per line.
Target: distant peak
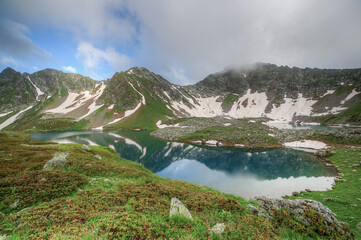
<point x="137" y="70"/>
<point x="8" y="71"/>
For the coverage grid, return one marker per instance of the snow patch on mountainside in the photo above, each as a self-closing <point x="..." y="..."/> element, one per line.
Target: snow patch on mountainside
<point x="208" y="107"/>
<point x="76" y="100"/>
<point x="292" y="107"/>
<point x="12" y="119"/>
<point x="93" y="107"/>
<point x="38" y="91"/>
<point x="127" y="113"/>
<point x="328" y="93"/>
<point x="338" y="109"/>
<point x="249" y="105"/>
<point x="351" y="95"/>
<point x="143" y="98"/>
<point x="4" y="114"/>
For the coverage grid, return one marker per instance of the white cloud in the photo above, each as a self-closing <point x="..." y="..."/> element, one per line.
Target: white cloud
<point x="8" y="61"/>
<point x="204" y="36"/>
<point x="13" y="41"/>
<point x="189" y="39"/>
<point x="69" y="69"/>
<point x="92" y="57"/>
<point x="98" y="20"/>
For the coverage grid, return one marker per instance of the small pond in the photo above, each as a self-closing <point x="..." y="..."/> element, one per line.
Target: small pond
<point x="243" y="172"/>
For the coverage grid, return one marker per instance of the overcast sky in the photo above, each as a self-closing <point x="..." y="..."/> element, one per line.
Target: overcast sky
<point x="183" y="40"/>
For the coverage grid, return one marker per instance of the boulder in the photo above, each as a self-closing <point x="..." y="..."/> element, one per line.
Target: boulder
<point x="218" y="228"/>
<point x="298" y="209"/>
<point x="86" y="148"/>
<point x="358" y="226"/>
<point x="177" y="208"/>
<point x="252" y="209"/>
<point x="323" y="153"/>
<point x="15" y="204"/>
<point x="25" y="209"/>
<point x="98" y="157"/>
<point x="58" y="161"/>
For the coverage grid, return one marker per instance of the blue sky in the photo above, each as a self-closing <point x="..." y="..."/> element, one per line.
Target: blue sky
<point x="184" y="41"/>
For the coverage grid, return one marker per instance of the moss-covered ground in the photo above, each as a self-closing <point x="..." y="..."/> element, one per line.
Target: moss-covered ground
<point x="113" y="198"/>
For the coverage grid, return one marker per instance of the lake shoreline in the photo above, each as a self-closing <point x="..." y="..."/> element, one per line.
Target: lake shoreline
<point x="112" y="190"/>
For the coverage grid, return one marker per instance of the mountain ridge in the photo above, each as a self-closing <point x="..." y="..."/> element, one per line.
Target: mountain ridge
<point x="266" y="90"/>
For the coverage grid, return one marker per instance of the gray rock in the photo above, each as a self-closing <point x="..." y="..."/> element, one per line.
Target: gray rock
<point x="25" y="209"/>
<point x="86" y="148"/>
<point x="355" y="165"/>
<point x="323" y="153"/>
<point x="58" y="161"/>
<point x="88" y="165"/>
<point x="98" y="157"/>
<point x="358" y="226"/>
<point x="15" y="204"/>
<point x="218" y="228"/>
<point x="328" y="199"/>
<point x="41" y="181"/>
<point x="177" y="208"/>
<point x="297" y="208"/>
<point x="252" y="209"/>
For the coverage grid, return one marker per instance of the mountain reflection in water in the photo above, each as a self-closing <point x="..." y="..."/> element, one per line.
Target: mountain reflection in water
<point x="242" y="172"/>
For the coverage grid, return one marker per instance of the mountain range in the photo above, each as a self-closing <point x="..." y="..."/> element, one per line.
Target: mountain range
<point x="140" y="99"/>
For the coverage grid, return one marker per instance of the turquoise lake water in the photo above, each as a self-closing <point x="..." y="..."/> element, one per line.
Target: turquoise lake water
<point x="243" y="172"/>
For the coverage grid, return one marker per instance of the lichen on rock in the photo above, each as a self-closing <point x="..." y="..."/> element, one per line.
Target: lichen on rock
<point x="58" y="161"/>
<point x="177" y="208"/>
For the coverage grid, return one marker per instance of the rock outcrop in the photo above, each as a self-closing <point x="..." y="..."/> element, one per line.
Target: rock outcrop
<point x="304" y="211"/>
<point x="177" y="208"/>
<point x="218" y="228"/>
<point x="58" y="161"/>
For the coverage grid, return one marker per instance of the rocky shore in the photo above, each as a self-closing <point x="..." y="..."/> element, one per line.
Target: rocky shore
<point x="249" y="133"/>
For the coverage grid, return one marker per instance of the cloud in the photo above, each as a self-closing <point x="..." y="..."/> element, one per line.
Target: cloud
<point x="14" y="42"/>
<point x="189" y="39"/>
<point x="8" y="61"/>
<point x="93" y="57"/>
<point x="69" y="69"/>
<point x="205" y="36"/>
<point x="95" y="20"/>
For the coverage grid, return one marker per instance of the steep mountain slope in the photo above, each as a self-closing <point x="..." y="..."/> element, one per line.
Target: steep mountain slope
<point x="280" y="93"/>
<point x="138" y="99"/>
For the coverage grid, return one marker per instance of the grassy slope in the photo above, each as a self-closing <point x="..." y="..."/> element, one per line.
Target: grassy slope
<point x="228" y="101"/>
<point x="146" y="117"/>
<point x="32" y="119"/>
<point x="346" y="194"/>
<point x="110" y="198"/>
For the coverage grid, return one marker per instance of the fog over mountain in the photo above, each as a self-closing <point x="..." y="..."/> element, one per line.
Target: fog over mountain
<point x="183" y="41"/>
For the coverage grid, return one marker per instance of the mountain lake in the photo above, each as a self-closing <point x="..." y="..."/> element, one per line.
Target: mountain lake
<point x="243" y="172"/>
